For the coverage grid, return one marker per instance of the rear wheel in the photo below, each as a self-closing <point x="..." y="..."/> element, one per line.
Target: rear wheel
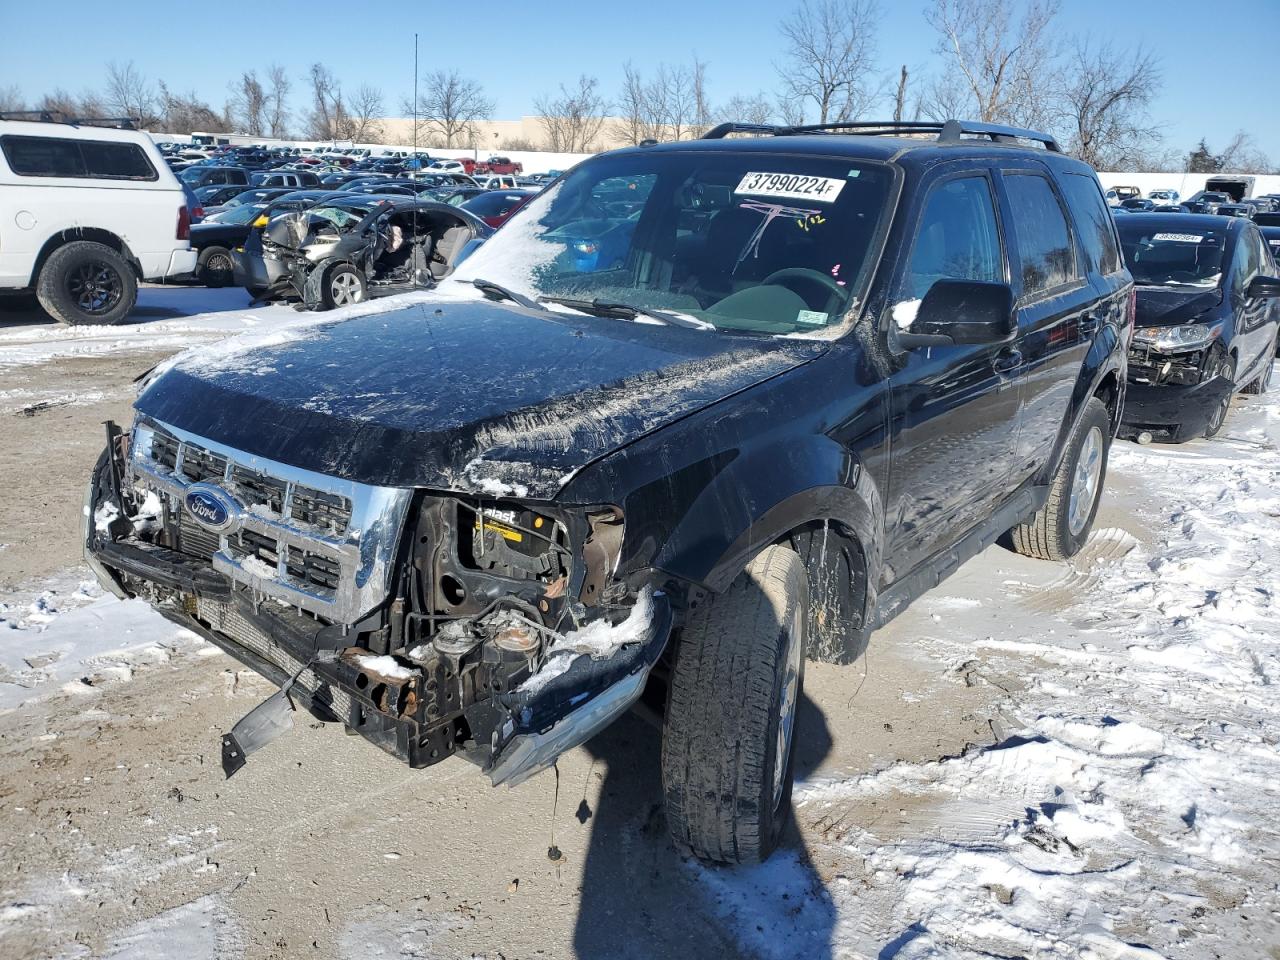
<point x="735" y="684"/>
<point x="214" y="268"/>
<point x="87" y="282"/>
<point x="343" y="287"/>
<point x="1223" y="366"/>
<point x="1061" y="527"/>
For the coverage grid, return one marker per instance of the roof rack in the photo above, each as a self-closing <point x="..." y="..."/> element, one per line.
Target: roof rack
<point x="952" y="131"/>
<point x="57" y="116"/>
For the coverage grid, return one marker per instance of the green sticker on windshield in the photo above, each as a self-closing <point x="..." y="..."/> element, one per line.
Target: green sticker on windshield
<point x="811" y="318"/>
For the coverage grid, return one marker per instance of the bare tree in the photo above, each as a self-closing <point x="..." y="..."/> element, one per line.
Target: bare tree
<point x="702" y="110"/>
<point x="753" y="109"/>
<point x="573" y="119"/>
<point x="186" y="113"/>
<point x="277" y="108"/>
<point x="830" y="63"/>
<point x="249" y="104"/>
<point x="1241" y="155"/>
<point x="130" y="93"/>
<point x="1002" y="58"/>
<point x="900" y="98"/>
<point x="11" y="99"/>
<point x="634" y="115"/>
<point x="945" y="98"/>
<point x="449" y="106"/>
<point x="328" y="113"/>
<point x="364" y="116"/>
<point x="1105" y="99"/>
<point x="88" y="105"/>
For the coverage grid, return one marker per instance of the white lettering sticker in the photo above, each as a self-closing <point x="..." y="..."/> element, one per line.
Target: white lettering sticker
<point x="793" y="186"/>
<point x="1179" y="237"/>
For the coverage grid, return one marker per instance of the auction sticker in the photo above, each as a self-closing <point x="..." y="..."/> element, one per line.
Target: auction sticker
<point x="1179" y="237"/>
<point x="793" y="186"/>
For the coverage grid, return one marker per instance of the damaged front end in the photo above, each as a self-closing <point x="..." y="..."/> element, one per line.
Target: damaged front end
<point x="432" y="623"/>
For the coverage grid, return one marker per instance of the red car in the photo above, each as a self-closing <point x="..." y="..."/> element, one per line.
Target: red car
<point x="499" y="165"/>
<point x="497" y="206"/>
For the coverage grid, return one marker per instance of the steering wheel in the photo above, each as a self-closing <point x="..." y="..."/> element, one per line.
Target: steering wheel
<point x="804" y="273"/>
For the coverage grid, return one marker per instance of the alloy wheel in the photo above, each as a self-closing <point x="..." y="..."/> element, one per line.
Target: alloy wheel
<point x="1084" y="484"/>
<point x="787" y="703"/>
<point x="95" y="286"/>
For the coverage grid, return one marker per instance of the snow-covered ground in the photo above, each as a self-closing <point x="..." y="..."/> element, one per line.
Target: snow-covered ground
<point x="1118" y="802"/>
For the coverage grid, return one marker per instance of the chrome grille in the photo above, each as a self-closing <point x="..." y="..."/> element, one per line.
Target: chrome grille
<point x="317" y="542"/>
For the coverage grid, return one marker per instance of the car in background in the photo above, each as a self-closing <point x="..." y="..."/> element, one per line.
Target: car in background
<point x="249" y="269"/>
<point x="215" y="238"/>
<point x="497" y="182"/>
<point x="335" y="181"/>
<point x="455" y="195"/>
<point x="216" y="194"/>
<point x="292" y="179"/>
<point x="195" y="209"/>
<point x="1163" y="196"/>
<point x="1206" y="201"/>
<point x="344" y="250"/>
<point x="462" y="165"/>
<point x="1272" y="236"/>
<point x="203" y="175"/>
<point x="1234" y="210"/>
<point x="1137" y="204"/>
<point x="86" y="212"/>
<point x="500" y="165"/>
<point x="1208" y="309"/>
<point x="495" y="207"/>
<point x="254" y="195"/>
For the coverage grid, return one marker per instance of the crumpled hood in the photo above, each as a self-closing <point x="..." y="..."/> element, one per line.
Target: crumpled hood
<point x="460" y="395"/>
<point x="1167" y="307"/>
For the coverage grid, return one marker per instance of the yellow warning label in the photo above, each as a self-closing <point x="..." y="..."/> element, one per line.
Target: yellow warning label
<point x="507" y="533"/>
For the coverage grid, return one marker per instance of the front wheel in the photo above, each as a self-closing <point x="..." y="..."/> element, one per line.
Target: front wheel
<point x="727" y="755"/>
<point x="1222" y="367"/>
<point x="343" y="287"/>
<point x="1061" y="527"/>
<point x="214" y="267"/>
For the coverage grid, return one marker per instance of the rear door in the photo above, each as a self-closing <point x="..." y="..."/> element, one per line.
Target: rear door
<point x="954" y="409"/>
<point x="1255" y="329"/>
<point x="1056" y="309"/>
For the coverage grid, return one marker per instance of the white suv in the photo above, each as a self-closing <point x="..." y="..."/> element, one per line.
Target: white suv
<point x="85" y="213"/>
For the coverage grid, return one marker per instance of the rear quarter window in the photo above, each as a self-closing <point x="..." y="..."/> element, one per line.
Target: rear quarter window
<point x="82" y="159"/>
<point x="1097" y="230"/>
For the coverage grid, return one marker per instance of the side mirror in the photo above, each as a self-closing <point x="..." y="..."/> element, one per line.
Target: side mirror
<point x="964" y="311"/>
<point x="1260" y="287"/>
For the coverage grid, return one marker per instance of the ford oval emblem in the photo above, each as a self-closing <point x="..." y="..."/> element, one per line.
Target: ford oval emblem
<point x="211" y="507"/>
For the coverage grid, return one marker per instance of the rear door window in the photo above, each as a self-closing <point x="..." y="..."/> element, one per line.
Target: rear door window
<point x="1043" y="237"/>
<point x="84" y="159"/>
<point x="1097" y="229"/>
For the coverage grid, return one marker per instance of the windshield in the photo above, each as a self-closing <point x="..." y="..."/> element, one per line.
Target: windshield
<point x="767" y="243"/>
<point x="344" y="218"/>
<point x="1161" y="257"/>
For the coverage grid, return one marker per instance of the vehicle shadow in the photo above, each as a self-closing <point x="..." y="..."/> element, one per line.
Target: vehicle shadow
<point x="642" y="899"/>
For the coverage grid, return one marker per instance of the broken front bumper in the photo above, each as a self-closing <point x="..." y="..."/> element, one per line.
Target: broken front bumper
<point x="1172" y="413"/>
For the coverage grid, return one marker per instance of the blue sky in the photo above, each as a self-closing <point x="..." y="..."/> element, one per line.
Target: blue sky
<point x="1217" y="79"/>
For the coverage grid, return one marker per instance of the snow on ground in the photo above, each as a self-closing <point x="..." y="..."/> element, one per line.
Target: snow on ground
<point x="70" y="638"/>
<point x="1128" y="809"/>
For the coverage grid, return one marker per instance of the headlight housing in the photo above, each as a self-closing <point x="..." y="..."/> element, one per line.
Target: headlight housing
<point x="1186" y="336"/>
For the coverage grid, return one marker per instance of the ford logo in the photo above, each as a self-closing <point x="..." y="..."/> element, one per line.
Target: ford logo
<point x="212" y="507"/>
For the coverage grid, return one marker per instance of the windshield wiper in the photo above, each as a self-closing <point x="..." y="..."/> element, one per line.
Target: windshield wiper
<point x="628" y="311"/>
<point x="499" y="292"/>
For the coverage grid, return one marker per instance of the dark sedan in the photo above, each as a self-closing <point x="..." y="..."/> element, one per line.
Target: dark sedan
<point x="1207" y="317"/>
<point x="215" y="239"/>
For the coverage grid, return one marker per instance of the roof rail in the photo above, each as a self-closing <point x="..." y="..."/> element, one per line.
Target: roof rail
<point x="952" y="131"/>
<point x="57" y="116"/>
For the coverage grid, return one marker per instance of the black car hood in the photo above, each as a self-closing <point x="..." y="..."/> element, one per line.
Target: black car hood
<point x="1169" y="306"/>
<point x="458" y="395"/>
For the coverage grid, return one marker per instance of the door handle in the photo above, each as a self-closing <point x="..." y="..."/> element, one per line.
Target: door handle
<point x="1006" y="361"/>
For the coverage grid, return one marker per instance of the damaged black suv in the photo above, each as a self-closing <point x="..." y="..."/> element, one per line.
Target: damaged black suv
<point x="699" y="412"/>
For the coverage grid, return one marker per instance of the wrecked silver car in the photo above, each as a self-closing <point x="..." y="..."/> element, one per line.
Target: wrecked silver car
<point x="346" y="249"/>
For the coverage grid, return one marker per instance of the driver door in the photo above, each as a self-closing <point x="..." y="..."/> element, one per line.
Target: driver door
<point x="954" y="410"/>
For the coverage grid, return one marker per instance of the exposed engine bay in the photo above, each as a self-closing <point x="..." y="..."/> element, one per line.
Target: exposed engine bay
<point x="501" y="633"/>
